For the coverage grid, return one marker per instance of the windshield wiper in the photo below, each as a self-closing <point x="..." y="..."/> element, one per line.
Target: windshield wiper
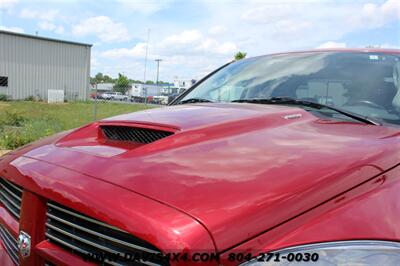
<point x="195" y="100"/>
<point x="294" y="101"/>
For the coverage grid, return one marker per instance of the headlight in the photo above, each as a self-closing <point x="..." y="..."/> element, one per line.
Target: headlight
<point x="363" y="252"/>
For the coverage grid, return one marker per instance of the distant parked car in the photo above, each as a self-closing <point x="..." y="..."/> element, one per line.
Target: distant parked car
<point x="137" y="99"/>
<point x="114" y="96"/>
<point x="93" y="95"/>
<point x="160" y="99"/>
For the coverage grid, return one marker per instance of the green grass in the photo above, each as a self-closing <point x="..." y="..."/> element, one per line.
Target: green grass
<point x="22" y="122"/>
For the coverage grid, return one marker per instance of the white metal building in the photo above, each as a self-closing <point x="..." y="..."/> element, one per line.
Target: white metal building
<point x="184" y="83"/>
<point x="32" y="65"/>
<point x="103" y="87"/>
<point x="143" y="90"/>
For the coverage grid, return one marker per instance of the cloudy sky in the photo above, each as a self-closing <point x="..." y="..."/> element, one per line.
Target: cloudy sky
<point x="193" y="37"/>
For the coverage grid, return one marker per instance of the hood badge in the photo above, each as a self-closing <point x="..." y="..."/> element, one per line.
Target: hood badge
<point x="24" y="244"/>
<point x="292" y="116"/>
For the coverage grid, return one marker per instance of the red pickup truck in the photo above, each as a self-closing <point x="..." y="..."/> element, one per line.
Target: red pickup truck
<point x="276" y="159"/>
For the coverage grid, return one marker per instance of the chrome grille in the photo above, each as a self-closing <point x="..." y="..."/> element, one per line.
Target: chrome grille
<point x="134" y="134"/>
<point x="10" y="197"/>
<point x="83" y="236"/>
<point x="10" y="244"/>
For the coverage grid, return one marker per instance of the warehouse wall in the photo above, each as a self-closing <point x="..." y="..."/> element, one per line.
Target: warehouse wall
<point x="34" y="66"/>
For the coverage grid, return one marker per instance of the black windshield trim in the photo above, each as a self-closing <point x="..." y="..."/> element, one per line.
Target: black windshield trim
<point x="195" y="100"/>
<point x="289" y="100"/>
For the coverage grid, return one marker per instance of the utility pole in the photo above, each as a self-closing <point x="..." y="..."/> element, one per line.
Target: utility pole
<point x="95" y="104"/>
<point x="158" y="69"/>
<point x="95" y="101"/>
<point x="145" y="67"/>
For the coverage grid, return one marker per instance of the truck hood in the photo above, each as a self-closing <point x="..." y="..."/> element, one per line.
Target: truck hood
<point x="239" y="169"/>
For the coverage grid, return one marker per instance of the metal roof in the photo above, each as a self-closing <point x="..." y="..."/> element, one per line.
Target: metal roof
<point x="42" y="38"/>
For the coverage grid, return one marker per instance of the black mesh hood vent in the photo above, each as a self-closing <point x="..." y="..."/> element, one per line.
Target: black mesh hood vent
<point x="134" y="134"/>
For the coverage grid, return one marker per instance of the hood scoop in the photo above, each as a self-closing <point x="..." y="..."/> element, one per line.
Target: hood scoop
<point x="108" y="140"/>
<point x="133" y="134"/>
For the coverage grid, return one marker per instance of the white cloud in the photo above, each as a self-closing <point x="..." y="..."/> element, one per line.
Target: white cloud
<point x="93" y="62"/>
<point x="288" y="26"/>
<point x="184" y="54"/>
<point x="254" y="26"/>
<point x="190" y="41"/>
<point x="185" y="37"/>
<point x="138" y="50"/>
<point x="217" y="30"/>
<point x="390" y="46"/>
<point x="13" y="29"/>
<point x="375" y="15"/>
<point x="226" y="48"/>
<point x="391" y="9"/>
<point x="59" y="30"/>
<point x="268" y="13"/>
<point x="315" y="21"/>
<point x="146" y="7"/>
<point x="45" y="25"/>
<point x="327" y="45"/>
<point x="7" y="3"/>
<point x="48" y="26"/>
<point x="210" y="45"/>
<point x="104" y="28"/>
<point x="47" y="15"/>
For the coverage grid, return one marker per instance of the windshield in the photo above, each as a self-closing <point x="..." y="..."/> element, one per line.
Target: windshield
<point x="367" y="84"/>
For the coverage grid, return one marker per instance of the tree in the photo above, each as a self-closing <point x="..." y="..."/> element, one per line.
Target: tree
<point x="121" y="84"/>
<point x="108" y="79"/>
<point x="135" y="81"/>
<point x="99" y="77"/>
<point x="240" y="55"/>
